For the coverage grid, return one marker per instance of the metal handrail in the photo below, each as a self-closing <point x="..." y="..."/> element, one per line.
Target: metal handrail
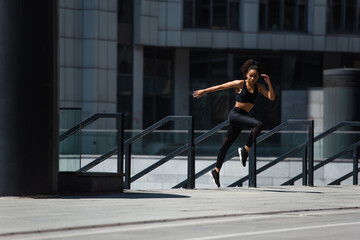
<point x="120" y="139"/>
<point x="332" y="158"/>
<point x="199" y="139"/>
<point x="307" y="146"/>
<point x="354" y="173"/>
<point x="258" y="140"/>
<point x="190" y="146"/>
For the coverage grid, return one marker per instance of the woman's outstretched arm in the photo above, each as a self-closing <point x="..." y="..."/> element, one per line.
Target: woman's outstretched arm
<point x="228" y="85"/>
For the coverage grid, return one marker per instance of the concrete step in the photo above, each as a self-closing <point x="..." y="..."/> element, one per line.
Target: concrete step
<point x="71" y="183"/>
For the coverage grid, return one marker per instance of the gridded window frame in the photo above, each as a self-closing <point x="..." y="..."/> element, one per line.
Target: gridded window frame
<point x="193" y="23"/>
<point x="264" y="17"/>
<point x="342" y="21"/>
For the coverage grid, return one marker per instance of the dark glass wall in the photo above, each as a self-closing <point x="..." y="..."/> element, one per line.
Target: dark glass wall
<point x="212" y="67"/>
<point x="158" y="84"/>
<point x="125" y="60"/>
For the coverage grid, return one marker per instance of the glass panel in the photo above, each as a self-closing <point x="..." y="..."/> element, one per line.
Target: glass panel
<point x="219" y="14"/>
<point x="302" y="18"/>
<point x="263" y="14"/>
<point x="335" y="20"/>
<point x="158" y="84"/>
<point x="274" y="15"/>
<point x="202" y="13"/>
<point x="125" y="59"/>
<point x="350" y="16"/>
<point x="125" y="94"/>
<point x="69" y="148"/>
<point x="289" y="15"/>
<point x="234" y="15"/>
<point x="188" y="13"/>
<point x="125" y="11"/>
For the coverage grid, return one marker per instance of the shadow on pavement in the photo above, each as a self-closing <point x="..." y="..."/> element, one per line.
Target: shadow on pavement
<point x="128" y="195"/>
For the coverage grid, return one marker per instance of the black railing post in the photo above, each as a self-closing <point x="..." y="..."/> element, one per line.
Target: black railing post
<point x="127" y="166"/>
<point x="311" y="153"/>
<point x="120" y="142"/>
<point x="304" y="166"/>
<point x="252" y="167"/>
<point x="355" y="165"/>
<point x="191" y="155"/>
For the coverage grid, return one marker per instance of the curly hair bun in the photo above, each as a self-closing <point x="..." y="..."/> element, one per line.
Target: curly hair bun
<point x="251" y="64"/>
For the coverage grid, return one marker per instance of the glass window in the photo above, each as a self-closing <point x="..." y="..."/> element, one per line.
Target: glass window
<point x="234" y="15"/>
<point x="219" y="19"/>
<point x="274" y="15"/>
<point x="125" y="11"/>
<point x="289" y="13"/>
<point x="124" y="83"/>
<point x="216" y="14"/>
<point x="158" y="84"/>
<point x="202" y="13"/>
<point x="188" y="13"/>
<point x="283" y="15"/>
<point x="343" y="16"/>
<point x="125" y="59"/>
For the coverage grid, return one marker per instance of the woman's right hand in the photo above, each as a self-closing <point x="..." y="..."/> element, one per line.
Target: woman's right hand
<point x="198" y="93"/>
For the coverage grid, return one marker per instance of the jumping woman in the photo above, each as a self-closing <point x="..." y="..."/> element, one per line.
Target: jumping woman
<point x="246" y="93"/>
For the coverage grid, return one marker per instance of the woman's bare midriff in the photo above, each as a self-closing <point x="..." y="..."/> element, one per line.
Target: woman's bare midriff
<point x="244" y="106"/>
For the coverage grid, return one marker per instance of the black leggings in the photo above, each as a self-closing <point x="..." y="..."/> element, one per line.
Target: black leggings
<point x="238" y="120"/>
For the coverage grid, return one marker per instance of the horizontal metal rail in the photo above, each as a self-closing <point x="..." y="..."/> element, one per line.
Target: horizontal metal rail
<point x="87" y="122"/>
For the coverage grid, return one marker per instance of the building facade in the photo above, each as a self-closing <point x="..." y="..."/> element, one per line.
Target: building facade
<point x="146" y="57"/>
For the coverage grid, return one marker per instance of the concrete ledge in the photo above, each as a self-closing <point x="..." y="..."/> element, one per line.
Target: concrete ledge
<point x="90" y="183"/>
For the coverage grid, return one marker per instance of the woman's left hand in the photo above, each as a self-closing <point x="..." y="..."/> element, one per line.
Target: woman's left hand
<point x="266" y="78"/>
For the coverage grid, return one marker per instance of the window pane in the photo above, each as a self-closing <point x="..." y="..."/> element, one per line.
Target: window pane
<point x="274" y="15"/>
<point x="263" y="14"/>
<point x="302" y="18"/>
<point x="125" y="60"/>
<point x="350" y="16"/>
<point x="125" y="11"/>
<point x="289" y="15"/>
<point x="125" y="98"/>
<point x="218" y="68"/>
<point x="335" y="16"/>
<point x="202" y="13"/>
<point x="219" y="14"/>
<point x="199" y="65"/>
<point x="188" y="13"/>
<point x="234" y="15"/>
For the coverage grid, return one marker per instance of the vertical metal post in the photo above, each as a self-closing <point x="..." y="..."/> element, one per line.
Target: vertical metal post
<point x="252" y="167"/>
<point x="127" y="166"/>
<point x="120" y="143"/>
<point x="355" y="165"/>
<point x="311" y="154"/>
<point x="304" y="166"/>
<point x="191" y="155"/>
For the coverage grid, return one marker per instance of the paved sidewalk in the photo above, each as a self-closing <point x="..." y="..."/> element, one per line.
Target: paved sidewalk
<point x="85" y="217"/>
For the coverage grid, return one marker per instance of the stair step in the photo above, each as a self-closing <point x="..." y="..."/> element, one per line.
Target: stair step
<point x="90" y="183"/>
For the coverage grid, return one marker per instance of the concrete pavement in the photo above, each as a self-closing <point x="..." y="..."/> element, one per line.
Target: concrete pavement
<point x="291" y="212"/>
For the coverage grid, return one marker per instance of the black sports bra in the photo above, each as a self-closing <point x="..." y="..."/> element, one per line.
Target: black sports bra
<point x="245" y="96"/>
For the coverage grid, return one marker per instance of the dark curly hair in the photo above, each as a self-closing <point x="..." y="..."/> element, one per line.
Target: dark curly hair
<point x="251" y="64"/>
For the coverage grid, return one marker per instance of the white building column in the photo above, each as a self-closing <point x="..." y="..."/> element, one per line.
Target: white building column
<point x="138" y="87"/>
